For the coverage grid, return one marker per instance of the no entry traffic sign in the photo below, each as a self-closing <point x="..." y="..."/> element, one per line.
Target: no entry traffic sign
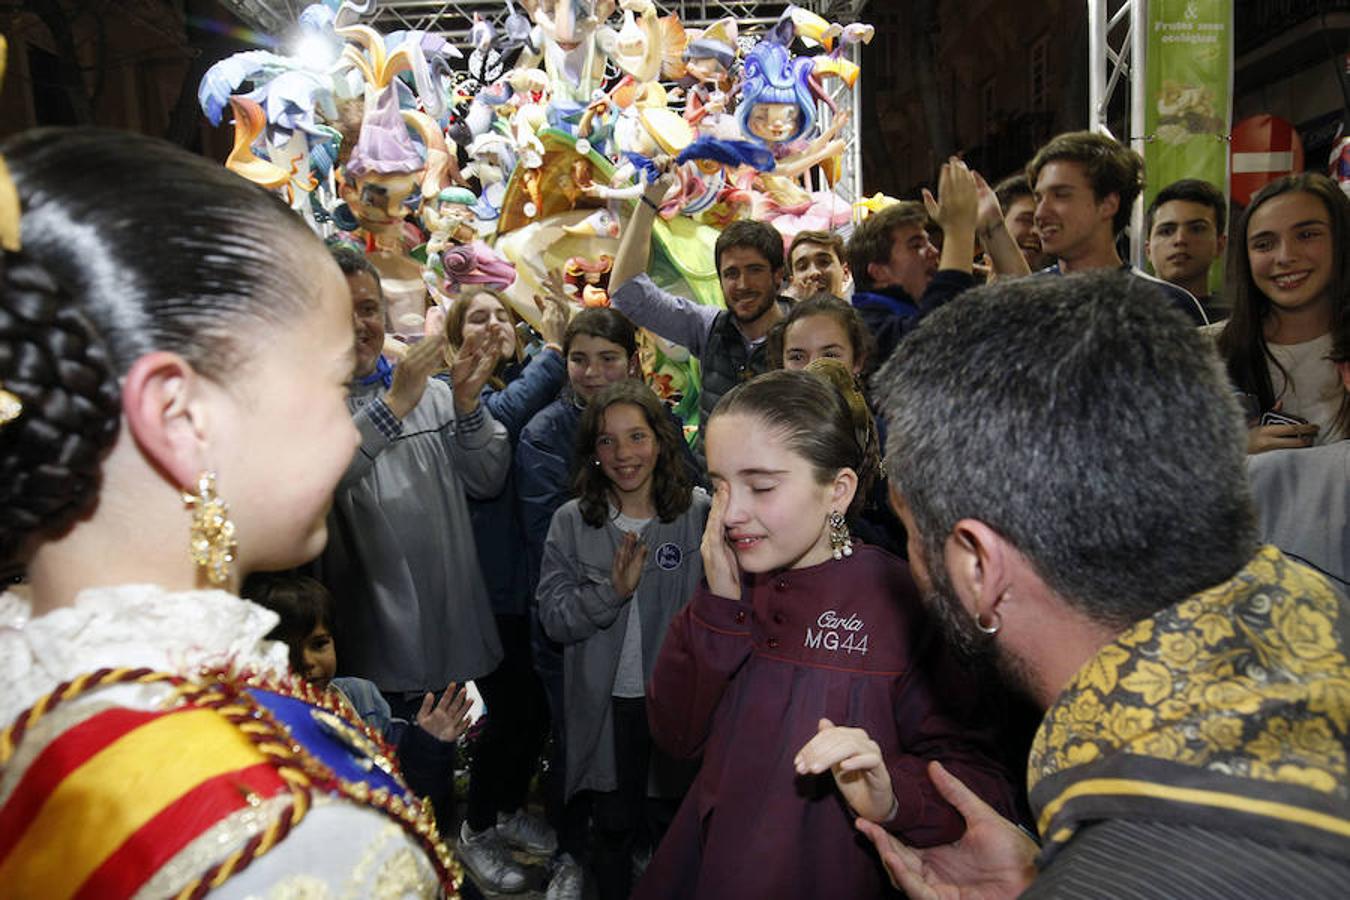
<point x="1264" y="148"/>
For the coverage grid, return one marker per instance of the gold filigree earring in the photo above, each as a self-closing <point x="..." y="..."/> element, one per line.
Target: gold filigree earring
<point x="212" y="533"/>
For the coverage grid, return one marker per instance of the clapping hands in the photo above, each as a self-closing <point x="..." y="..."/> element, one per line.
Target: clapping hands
<point x="412" y="372"/>
<point x="957" y="203"/>
<point x="626" y="570"/>
<point x="471" y="367"/>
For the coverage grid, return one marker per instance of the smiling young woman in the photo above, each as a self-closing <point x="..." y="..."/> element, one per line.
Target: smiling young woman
<point x="1289" y="277"/>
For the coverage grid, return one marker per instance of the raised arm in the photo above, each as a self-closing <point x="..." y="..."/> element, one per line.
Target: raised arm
<point x="992" y="230"/>
<point x="672" y="317"/>
<point x="635" y="245"/>
<point x="705" y="646"/>
<point x="955" y="210"/>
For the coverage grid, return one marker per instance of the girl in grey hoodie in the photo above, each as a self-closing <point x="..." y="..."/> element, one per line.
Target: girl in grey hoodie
<point x="619" y="562"/>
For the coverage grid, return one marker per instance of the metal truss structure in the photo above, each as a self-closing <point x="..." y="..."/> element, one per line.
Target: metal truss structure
<point x="1116" y="50"/>
<point x="452" y="20"/>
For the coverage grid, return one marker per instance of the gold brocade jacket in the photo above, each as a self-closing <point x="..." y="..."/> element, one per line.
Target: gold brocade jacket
<point x="1229" y="710"/>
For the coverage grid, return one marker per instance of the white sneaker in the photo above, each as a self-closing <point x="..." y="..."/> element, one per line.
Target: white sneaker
<point x="486" y="856"/>
<point x="526" y="832"/>
<point x="567" y="881"/>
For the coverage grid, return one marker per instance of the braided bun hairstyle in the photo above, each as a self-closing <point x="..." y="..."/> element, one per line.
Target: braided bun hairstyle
<point x="821" y="414"/>
<point x="51" y="359"/>
<point x="129" y="245"/>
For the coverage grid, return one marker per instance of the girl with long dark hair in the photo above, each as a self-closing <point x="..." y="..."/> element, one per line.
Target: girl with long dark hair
<point x="1289" y="276"/>
<point x="620" y="560"/>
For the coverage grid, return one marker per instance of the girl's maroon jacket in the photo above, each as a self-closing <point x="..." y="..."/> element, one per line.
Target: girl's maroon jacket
<point x="745" y="682"/>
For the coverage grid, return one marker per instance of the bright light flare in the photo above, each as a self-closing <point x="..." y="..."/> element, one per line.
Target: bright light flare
<point x="315" y="51"/>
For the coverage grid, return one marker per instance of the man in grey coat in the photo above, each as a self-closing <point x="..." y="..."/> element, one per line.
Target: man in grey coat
<point x="413" y="611"/>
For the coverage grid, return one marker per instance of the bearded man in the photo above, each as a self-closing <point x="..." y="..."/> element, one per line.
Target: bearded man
<point x="1068" y="458"/>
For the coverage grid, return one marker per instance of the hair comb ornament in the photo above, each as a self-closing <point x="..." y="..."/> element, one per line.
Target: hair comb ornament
<point x="11" y="407"/>
<point x="9" y="195"/>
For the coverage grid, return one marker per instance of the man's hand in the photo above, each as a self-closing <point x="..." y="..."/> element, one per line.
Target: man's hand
<point x="657" y="189"/>
<point x="447" y="719"/>
<point x="991" y="861"/>
<point x="470" y="369"/>
<point x="411" y="374"/>
<point x="626" y="570"/>
<point x="955" y="210"/>
<point x="855" y="760"/>
<point x="957" y="202"/>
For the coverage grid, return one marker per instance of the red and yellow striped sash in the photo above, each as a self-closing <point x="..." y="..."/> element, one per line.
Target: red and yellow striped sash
<point x="105" y="804"/>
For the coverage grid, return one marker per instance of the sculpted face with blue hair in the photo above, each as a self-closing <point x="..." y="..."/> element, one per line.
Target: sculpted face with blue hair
<point x="777" y="105"/>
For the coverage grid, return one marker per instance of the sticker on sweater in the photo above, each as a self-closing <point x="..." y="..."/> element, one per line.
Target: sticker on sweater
<point x="668" y="556"/>
<point x="837" y="634"/>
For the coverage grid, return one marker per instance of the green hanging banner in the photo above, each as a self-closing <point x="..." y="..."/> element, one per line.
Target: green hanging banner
<point x="1189" y="106"/>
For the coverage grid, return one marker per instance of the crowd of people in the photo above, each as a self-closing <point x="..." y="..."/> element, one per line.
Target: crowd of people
<point x="960" y="476"/>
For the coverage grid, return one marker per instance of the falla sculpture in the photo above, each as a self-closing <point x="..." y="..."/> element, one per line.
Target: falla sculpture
<point x="517" y="156"/>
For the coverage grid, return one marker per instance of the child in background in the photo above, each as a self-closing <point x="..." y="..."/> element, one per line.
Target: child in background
<point x="822" y="327"/>
<point x="620" y="560"/>
<point x="825" y="327"/>
<point x="426" y="748"/>
<point x="599" y="348"/>
<point x="803" y="643"/>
